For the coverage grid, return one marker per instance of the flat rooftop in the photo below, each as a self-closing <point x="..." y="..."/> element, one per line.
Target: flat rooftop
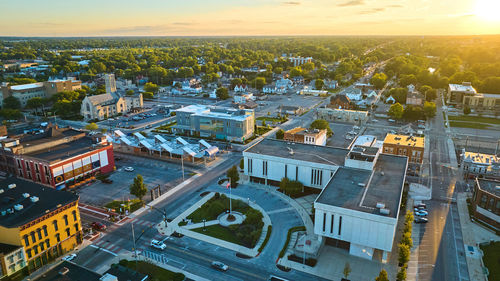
<point x="8" y="248"/>
<point x="48" y="200"/>
<point x="490" y="186"/>
<point x="405" y="140"/>
<point x="303" y="152"/>
<point x="72" y="272"/>
<point x="66" y="150"/>
<point x="480" y="158"/>
<point x="360" y="190"/>
<point x="461" y="88"/>
<point x="27" y="86"/>
<point x="214" y="112"/>
<point x="50" y="134"/>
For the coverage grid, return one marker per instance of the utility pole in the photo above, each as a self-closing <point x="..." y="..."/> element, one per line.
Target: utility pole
<point x="135" y="249"/>
<point x="182" y="164"/>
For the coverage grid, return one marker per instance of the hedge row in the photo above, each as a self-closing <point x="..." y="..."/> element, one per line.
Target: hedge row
<point x="288" y="236"/>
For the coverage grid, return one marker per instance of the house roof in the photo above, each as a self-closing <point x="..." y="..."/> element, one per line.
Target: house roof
<point x="100" y="99"/>
<point x="405" y="140"/>
<point x="340" y="99"/>
<point x="68" y="271"/>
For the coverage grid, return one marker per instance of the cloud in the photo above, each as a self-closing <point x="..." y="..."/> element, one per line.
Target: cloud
<point x="372" y="11"/>
<point x="352" y="3"/>
<point x="183" y="23"/>
<point x="136" y="29"/>
<point x="291" y="3"/>
<point x="395" y="6"/>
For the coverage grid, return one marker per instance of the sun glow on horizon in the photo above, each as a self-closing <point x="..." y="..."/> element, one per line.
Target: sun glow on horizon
<point x="488" y="10"/>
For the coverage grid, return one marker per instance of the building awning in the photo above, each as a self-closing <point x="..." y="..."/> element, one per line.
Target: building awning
<point x="146" y="144"/>
<point x="139" y="136"/>
<point x="213" y="150"/>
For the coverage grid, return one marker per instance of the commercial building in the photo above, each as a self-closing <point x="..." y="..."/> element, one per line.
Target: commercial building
<point x="215" y="122"/>
<point x="69" y="271"/>
<point x="342" y="115"/>
<point x="291" y="109"/>
<point x="61" y="158"/>
<point x="340" y="102"/>
<point x="12" y="259"/>
<point x="303" y="135"/>
<point x="483" y="102"/>
<point x="299" y="60"/>
<point x="44" y="221"/>
<point x="107" y="105"/>
<point x="45" y="89"/>
<point x="480" y="165"/>
<point x="409" y="146"/>
<point x="358" y="207"/>
<point x="457" y="92"/>
<point x="486" y="202"/>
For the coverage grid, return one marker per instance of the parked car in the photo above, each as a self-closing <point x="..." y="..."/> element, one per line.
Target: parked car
<point x="420" y="206"/>
<point x="107" y="181"/>
<point x="220" y="266"/>
<point x="356" y="127"/>
<point x="129" y="169"/>
<point x="69" y="257"/>
<point x="421" y="213"/>
<point x="98" y="226"/>
<point x="421" y="220"/>
<point x="158" y="244"/>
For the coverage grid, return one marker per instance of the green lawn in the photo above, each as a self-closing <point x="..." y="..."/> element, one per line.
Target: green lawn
<point x="475" y="119"/>
<point x="220" y="232"/>
<point x="491" y="259"/>
<point x="167" y="126"/>
<point x="134" y="205"/>
<point x="154" y="272"/>
<point x="469" y="125"/>
<point x="215" y="206"/>
<point x="262" y="130"/>
<point x="270" y="119"/>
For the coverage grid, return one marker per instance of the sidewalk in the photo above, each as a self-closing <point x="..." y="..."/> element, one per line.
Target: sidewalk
<point x="473" y="234"/>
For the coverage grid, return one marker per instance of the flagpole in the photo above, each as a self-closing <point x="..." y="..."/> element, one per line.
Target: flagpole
<point x="230" y="205"/>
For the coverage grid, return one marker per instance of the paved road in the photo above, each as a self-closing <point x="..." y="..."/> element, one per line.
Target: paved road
<point x="441" y="251"/>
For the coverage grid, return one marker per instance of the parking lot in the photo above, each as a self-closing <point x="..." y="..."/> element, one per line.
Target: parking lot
<point x="273" y="102"/>
<point x="340" y="130"/>
<point x="138" y="120"/>
<point x="154" y="172"/>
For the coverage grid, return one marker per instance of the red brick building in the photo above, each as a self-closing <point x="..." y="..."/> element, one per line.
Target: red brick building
<point x="486" y="202"/>
<point x="58" y="157"/>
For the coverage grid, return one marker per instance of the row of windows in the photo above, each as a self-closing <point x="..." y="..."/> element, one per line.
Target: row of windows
<point x="316" y="177"/>
<point x="332" y="222"/>
<point x="264" y="168"/>
<point x="488" y="202"/>
<point x="39" y="231"/>
<point x="45" y="245"/>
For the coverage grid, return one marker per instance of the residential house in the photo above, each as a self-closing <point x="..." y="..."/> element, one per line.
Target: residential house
<point x="390" y="100"/>
<point x="270" y="88"/>
<point x="331" y="84"/>
<point x="414" y="98"/>
<point x="240" y="88"/>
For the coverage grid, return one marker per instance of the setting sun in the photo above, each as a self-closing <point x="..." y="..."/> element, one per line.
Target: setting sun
<point x="488" y="10"/>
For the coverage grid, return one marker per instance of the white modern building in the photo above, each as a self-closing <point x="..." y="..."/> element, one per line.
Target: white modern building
<point x="358" y="207"/>
<point x="475" y="164"/>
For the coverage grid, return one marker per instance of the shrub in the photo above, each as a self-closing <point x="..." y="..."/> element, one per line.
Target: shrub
<point x="406" y="239"/>
<point x="401" y="276"/>
<point x="404" y="254"/>
<point x="268" y="235"/>
<point x="288" y="236"/>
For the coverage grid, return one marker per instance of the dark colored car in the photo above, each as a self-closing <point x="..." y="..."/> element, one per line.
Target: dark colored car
<point x="98" y="226"/>
<point x="421" y="220"/>
<point x="108" y="181"/>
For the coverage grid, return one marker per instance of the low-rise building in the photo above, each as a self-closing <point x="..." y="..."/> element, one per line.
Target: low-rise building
<point x="414" y="98"/>
<point x="342" y="115"/>
<point x="291" y="109"/>
<point x="299" y="60"/>
<point x="61" y="158"/>
<point x="309" y="91"/>
<point x="409" y="146"/>
<point x="457" y="92"/>
<point x="12" y="259"/>
<point x="107" y="105"/>
<point x="215" y="122"/>
<point x="44" y="221"/>
<point x="243" y="97"/>
<point x="240" y="88"/>
<point x="486" y="202"/>
<point x="483" y="102"/>
<point x="340" y="102"/>
<point x="303" y="135"/>
<point x="45" y="89"/>
<point x="480" y="165"/>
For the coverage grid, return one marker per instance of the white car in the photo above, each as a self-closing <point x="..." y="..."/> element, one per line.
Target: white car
<point x="158" y="244"/>
<point x="355" y="128"/>
<point x="129" y="169"/>
<point x="69" y="257"/>
<point x="220" y="266"/>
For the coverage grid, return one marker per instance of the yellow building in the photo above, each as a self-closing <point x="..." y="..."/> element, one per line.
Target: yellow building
<point x="45" y="221"/>
<point x="409" y="146"/>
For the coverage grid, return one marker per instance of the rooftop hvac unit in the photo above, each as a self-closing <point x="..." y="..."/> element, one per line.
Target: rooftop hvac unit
<point x="12" y="185"/>
<point x="385" y="211"/>
<point x="18" y="207"/>
<point x="380" y="205"/>
<point x="26" y="195"/>
<point x="34" y="199"/>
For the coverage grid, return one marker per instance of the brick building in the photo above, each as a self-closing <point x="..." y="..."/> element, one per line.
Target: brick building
<point x="302" y="135"/>
<point x="409" y="146"/>
<point x="486" y="202"/>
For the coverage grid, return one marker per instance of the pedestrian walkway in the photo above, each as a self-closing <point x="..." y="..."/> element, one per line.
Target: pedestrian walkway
<point x="473" y="235"/>
<point x="107" y="246"/>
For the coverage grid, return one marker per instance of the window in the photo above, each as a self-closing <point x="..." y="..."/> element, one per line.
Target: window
<point x="490" y="205"/>
<point x="26" y="240"/>
<point x="28" y="252"/>
<point x="58" y="238"/>
<point x="76" y="227"/>
<point x="264" y="168"/>
<point x="65" y="217"/>
<point x="250" y="165"/>
<point x="47" y="243"/>
<point x="55" y="225"/>
<point x="33" y="239"/>
<point x="67" y="231"/>
<point x="39" y="232"/>
<point x="340" y="224"/>
<point x="42" y="246"/>
<point x="324" y="222"/>
<point x="286" y="170"/>
<point x="483" y="201"/>
<point x="331" y="224"/>
<point x="316" y="177"/>
<point x="74" y="215"/>
<point x="35" y="249"/>
<point x="45" y="230"/>
<point x="296" y="173"/>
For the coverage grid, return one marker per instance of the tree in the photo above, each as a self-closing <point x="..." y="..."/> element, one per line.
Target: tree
<point x="92" y="126"/>
<point x="151" y="87"/>
<point x="347" y="270"/>
<point x="404" y="254"/>
<point x="467" y="110"/>
<point x="378" y="80"/>
<point x="236" y="81"/>
<point x="34" y="103"/>
<point x="406" y="239"/>
<point x="291" y="188"/>
<point x="396" y="111"/>
<point x="401" y="276"/>
<point x="148" y="95"/>
<point x="406" y="80"/>
<point x="412" y="112"/>
<point x="242" y="163"/>
<point x="11" y="114"/>
<point x="129" y="92"/>
<point x="318" y="84"/>
<point x="430" y="95"/>
<point x="382" y="276"/>
<point x="222" y="93"/>
<point x="234" y="176"/>
<point x="429" y="109"/>
<point x="322" y="124"/>
<point x="138" y="189"/>
<point x="11" y="103"/>
<point x="280" y="134"/>
<point x="260" y="82"/>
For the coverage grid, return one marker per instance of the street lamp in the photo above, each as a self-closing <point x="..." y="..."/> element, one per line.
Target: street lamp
<point x="204" y="227"/>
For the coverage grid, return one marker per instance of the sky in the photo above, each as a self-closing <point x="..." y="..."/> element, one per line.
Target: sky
<point x="247" y="17"/>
